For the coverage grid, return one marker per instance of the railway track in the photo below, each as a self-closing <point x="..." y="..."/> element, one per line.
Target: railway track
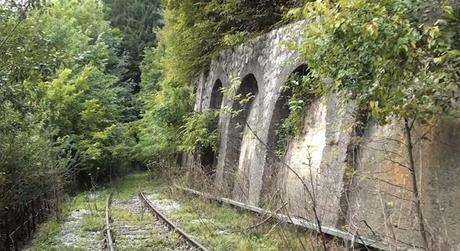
<point x="361" y="242"/>
<point x="111" y="230"/>
<point x="173" y="227"/>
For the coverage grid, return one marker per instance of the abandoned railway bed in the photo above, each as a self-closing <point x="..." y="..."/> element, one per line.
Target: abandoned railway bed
<point x="110" y="243"/>
<point x="192" y="244"/>
<point x="189" y="242"/>
<point x="173" y="227"/>
<point x="358" y="242"/>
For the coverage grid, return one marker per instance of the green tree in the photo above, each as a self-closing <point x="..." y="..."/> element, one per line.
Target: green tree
<point x="30" y="163"/>
<point x="137" y="20"/>
<point x="61" y="104"/>
<point x="86" y="101"/>
<point x="85" y="107"/>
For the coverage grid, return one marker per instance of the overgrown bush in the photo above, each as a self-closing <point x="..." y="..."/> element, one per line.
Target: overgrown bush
<point x="198" y="131"/>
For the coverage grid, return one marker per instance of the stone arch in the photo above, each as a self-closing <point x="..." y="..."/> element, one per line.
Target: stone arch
<point x="281" y="110"/>
<point x="208" y="158"/>
<point x="247" y="88"/>
<point x="216" y="95"/>
<point x="280" y="114"/>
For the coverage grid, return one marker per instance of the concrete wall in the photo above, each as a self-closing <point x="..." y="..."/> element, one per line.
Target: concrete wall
<point x="271" y="62"/>
<point x="318" y="156"/>
<point x="382" y="192"/>
<point x="364" y="189"/>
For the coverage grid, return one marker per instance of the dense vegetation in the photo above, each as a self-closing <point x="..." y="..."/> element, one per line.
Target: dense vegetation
<point x="90" y="87"/>
<point x="67" y="94"/>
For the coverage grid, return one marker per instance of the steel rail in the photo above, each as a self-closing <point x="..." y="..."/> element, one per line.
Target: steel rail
<point x="333" y="232"/>
<point x="170" y="224"/>
<point x="109" y="241"/>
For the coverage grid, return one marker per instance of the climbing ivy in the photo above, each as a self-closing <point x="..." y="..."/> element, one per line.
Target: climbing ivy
<point x="380" y="54"/>
<point x="300" y="91"/>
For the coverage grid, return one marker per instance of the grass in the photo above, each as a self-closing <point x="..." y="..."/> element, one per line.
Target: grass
<point x="125" y="189"/>
<point x="215" y="226"/>
<point x="93" y="223"/>
<point x="155" y="241"/>
<point x="225" y="228"/>
<point x="46" y="238"/>
<point x="45" y="235"/>
<point x="134" y="183"/>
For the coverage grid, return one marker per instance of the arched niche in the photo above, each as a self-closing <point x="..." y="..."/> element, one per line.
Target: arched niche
<point x="208" y="157"/>
<point x="216" y="95"/>
<point x="247" y="91"/>
<point x="281" y="110"/>
<point x="275" y="137"/>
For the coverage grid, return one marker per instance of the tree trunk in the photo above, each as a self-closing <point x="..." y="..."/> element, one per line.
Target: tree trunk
<point x="418" y="204"/>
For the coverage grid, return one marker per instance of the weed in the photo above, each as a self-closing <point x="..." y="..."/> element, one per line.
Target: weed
<point x="92" y="223"/>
